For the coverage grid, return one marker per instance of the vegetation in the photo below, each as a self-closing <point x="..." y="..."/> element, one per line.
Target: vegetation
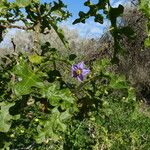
<point x="44" y="106"/>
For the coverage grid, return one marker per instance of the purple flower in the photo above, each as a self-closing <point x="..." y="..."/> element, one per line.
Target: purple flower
<point x="79" y="71"/>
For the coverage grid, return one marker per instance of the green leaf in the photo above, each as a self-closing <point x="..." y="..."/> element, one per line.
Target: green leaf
<point x="3" y="7"/>
<point x="78" y="21"/>
<point x="72" y="57"/>
<point x="5" y="117"/>
<point x="82" y="14"/>
<point x="65" y="115"/>
<point x="99" y="18"/>
<point x="53" y="74"/>
<point x="88" y="3"/>
<point x="3" y="4"/>
<point x="131" y="94"/>
<point x="127" y="31"/>
<point x="102" y="4"/>
<point x="118" y="82"/>
<point x="145" y="7"/>
<point x="82" y="18"/>
<point x="27" y="78"/>
<point x="93" y="11"/>
<point x="35" y="59"/>
<point x="23" y="3"/>
<point x="116" y="12"/>
<point x="147" y="42"/>
<point x="50" y="128"/>
<point x="56" y="96"/>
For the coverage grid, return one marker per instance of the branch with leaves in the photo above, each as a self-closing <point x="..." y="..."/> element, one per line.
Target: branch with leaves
<point x="102" y="11"/>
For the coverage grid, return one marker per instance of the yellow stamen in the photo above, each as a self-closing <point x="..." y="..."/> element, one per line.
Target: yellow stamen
<point x="78" y="71"/>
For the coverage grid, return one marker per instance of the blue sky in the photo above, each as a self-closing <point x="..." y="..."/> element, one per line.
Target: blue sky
<point x="74" y="6"/>
<point x="89" y="30"/>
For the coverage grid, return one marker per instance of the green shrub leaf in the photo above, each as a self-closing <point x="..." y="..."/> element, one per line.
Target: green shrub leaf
<point x="5" y="117"/>
<point x="27" y="78"/>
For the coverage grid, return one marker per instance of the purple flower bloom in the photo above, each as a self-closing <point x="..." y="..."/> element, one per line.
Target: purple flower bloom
<point x="79" y="71"/>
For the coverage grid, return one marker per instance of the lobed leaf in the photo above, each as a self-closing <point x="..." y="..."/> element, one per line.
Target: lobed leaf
<point x="5" y="117"/>
<point x="27" y="78"/>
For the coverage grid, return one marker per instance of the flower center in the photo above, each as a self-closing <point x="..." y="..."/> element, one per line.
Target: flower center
<point x="78" y="71"/>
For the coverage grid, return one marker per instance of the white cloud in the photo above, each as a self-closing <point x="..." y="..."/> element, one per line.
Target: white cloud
<point x="90" y="29"/>
<point x="6" y="43"/>
<point x="115" y="3"/>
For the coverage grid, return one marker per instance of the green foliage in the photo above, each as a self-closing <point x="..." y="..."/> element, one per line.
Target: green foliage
<point x="127" y="31"/>
<point x="34" y="58"/>
<point x="38" y="16"/>
<point x="23" y="3"/>
<point x="145" y="7"/>
<point x="93" y="11"/>
<point x="26" y="78"/>
<point x="42" y="107"/>
<point x="54" y="94"/>
<point x="5" y="117"/>
<point x="102" y="10"/>
<point x="50" y="127"/>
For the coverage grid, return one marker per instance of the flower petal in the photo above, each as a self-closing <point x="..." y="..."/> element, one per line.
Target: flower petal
<point x="80" y="65"/>
<point x="73" y="70"/>
<point x="74" y="67"/>
<point x="80" y="77"/>
<point x="85" y="72"/>
<point x="74" y="74"/>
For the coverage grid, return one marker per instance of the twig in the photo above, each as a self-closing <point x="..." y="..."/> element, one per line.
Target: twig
<point x="14" y="45"/>
<point x="15" y="26"/>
